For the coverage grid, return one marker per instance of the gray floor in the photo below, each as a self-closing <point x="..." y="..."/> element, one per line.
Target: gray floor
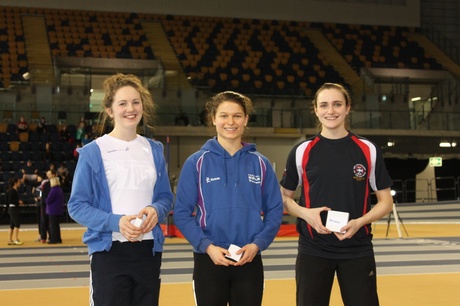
<point x="66" y="266"/>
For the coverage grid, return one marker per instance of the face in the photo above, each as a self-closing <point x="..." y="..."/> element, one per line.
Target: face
<point x="230" y="121"/>
<point x="126" y="110"/>
<point x="331" y="109"/>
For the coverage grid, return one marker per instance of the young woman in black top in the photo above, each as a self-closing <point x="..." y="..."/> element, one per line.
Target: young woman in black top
<point x="337" y="170"/>
<point x="12" y="200"/>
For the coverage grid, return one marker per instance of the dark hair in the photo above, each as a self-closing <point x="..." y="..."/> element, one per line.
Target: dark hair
<point x="53" y="171"/>
<point x="11" y="182"/>
<point x="111" y="85"/>
<point x="227" y="96"/>
<point x="338" y="87"/>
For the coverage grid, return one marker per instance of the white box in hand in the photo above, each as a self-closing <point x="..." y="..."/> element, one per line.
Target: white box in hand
<point x="138" y="223"/>
<point x="233" y="249"/>
<point x="336" y="220"/>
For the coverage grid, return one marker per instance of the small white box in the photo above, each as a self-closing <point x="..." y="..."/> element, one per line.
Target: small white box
<point x="336" y="220"/>
<point x="233" y="249"/>
<point x="137" y="223"/>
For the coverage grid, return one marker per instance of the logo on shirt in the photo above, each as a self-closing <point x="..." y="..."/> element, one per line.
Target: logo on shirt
<point x="359" y="172"/>
<point x="254" y="178"/>
<point x="117" y="150"/>
<point x="212" y="179"/>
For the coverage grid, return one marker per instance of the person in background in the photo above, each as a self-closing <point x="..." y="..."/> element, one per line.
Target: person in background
<point x="86" y="139"/>
<point x="48" y="153"/>
<point x="66" y="183"/>
<point x="80" y="132"/>
<point x="22" y="124"/>
<point x="30" y="177"/>
<point x="229" y="185"/>
<point x="121" y="193"/>
<point x="13" y="202"/>
<point x="55" y="209"/>
<point x="62" y="170"/>
<point x="29" y="171"/>
<point x="37" y="199"/>
<point x="76" y="150"/>
<point x="45" y="188"/>
<point x="337" y="171"/>
<point x="41" y="126"/>
<point x="64" y="134"/>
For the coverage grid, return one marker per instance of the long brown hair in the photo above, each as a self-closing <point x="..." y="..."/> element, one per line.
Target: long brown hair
<point x="117" y="81"/>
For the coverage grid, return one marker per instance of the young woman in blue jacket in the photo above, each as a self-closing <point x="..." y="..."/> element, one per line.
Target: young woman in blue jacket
<point x="228" y="194"/>
<point x="121" y="177"/>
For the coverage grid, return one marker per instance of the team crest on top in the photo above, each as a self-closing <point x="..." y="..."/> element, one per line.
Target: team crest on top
<point x="254" y="178"/>
<point x="359" y="172"/>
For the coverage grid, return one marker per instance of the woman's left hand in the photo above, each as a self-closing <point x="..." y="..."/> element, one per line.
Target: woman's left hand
<point x="151" y="218"/>
<point x="350" y="229"/>
<point x="249" y="251"/>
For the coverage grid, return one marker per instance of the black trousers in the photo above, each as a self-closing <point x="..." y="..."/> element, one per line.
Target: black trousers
<point x="15" y="220"/>
<point x="44" y="223"/>
<point x="54" y="229"/>
<point x="219" y="285"/>
<point x="357" y="279"/>
<point x="127" y="275"/>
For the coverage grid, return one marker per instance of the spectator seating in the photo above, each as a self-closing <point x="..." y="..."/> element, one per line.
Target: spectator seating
<point x="253" y="56"/>
<point x="15" y="153"/>
<point x="12" y="46"/>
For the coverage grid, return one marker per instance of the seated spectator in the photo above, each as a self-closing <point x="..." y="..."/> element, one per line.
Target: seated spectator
<point x="30" y="177"/>
<point x="29" y="171"/>
<point x="75" y="151"/>
<point x="52" y="168"/>
<point x="86" y="139"/>
<point x="48" y="154"/>
<point x="62" y="170"/>
<point x="23" y="126"/>
<point x="64" y="134"/>
<point x="80" y="132"/>
<point x="41" y="126"/>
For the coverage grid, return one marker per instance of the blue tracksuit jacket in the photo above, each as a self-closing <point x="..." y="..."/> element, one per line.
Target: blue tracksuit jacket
<point x="236" y="199"/>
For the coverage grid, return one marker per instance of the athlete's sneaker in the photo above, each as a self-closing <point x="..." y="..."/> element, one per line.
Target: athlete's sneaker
<point x="17" y="242"/>
<point x="10" y="242"/>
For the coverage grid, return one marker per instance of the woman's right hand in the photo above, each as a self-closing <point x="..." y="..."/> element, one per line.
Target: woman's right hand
<point x="313" y="217"/>
<point x="217" y="255"/>
<point x="127" y="229"/>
